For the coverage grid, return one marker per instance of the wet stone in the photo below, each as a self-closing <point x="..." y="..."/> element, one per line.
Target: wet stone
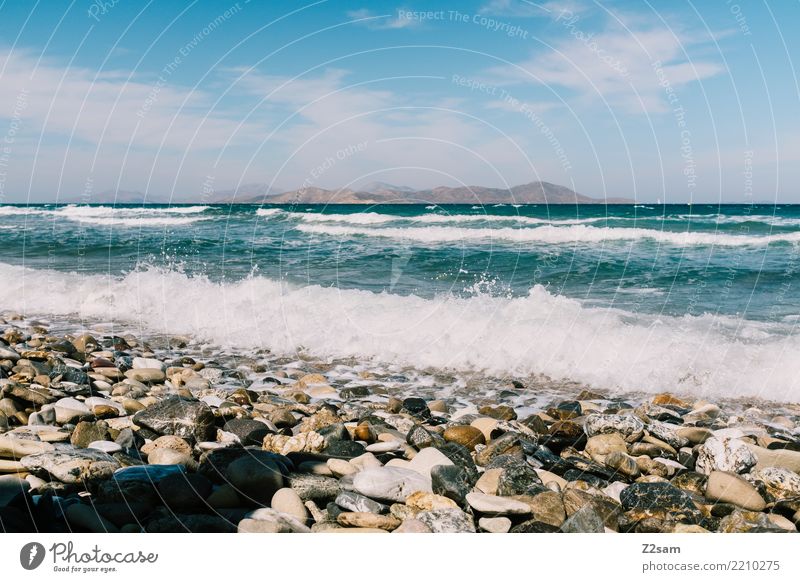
<point x="184" y="418"/>
<point x="416" y="407"/>
<point x="451" y="481"/>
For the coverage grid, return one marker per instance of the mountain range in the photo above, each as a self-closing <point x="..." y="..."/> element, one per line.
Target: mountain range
<point x="373" y="193"/>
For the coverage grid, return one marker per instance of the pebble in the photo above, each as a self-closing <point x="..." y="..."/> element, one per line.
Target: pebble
<point x="494" y="524"/>
<point x="72" y="465"/>
<point x="412" y="525"/>
<point x="255" y="478"/>
<point x="469" y="436"/>
<point x="600" y="446"/>
<point x="69" y="409"/>
<point x="305" y="442"/>
<point x="163" y="456"/>
<point x="495" y="505"/>
<point x="727" y="454"/>
<point x="630" y="427"/>
<point x="731" y="488"/>
<point x="84" y="517"/>
<point x="286" y="500"/>
<point x="368" y="520"/>
<point x="352" y="501"/>
<point x="427" y="459"/>
<point x="390" y="483"/>
<point x="109" y="447"/>
<point x="421" y="501"/>
<point x="340" y="467"/>
<point x="782" y="458"/>
<point x="447" y="521"/>
<point x="489" y="481"/>
<point x="10" y="487"/>
<point x="175" y="416"/>
<point x="486" y="425"/>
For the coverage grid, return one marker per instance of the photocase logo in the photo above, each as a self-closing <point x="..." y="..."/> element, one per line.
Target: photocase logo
<point x="31" y="555"/>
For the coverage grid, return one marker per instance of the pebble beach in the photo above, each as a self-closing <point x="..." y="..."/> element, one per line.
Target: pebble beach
<point x="109" y="432"/>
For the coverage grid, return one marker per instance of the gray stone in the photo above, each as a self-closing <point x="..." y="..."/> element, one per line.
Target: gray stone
<point x="585" y="520"/>
<point x="70" y="465"/>
<point x="184" y="418"/>
<point x="451" y="481"/>
<point x="352" y="501"/>
<point x="447" y="521"/>
<point x="314" y="487"/>
<point x="255" y="479"/>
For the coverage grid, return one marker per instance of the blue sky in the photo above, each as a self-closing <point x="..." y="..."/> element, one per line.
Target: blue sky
<point x="649" y="100"/>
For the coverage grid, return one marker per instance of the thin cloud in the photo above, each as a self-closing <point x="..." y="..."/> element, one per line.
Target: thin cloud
<point x="629" y="69"/>
<point x="370" y="19"/>
<point x="529" y="9"/>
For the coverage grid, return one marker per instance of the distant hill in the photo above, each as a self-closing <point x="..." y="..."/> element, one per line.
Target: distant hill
<point x="373" y="187"/>
<point x="533" y="193"/>
<point x="252" y="193"/>
<point x="255" y="193"/>
<point x="371" y="193"/>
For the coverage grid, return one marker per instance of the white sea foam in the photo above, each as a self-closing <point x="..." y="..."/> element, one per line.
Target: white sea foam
<point x="74" y="210"/>
<point x="538" y="333"/>
<point x="21" y="211"/>
<point x="115" y="216"/>
<point x="270" y="212"/>
<point x="552" y="235"/>
<point x="369" y="218"/>
<point x="138" y="221"/>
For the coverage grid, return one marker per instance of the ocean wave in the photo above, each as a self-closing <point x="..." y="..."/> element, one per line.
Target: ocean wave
<point x="552" y="235"/>
<point x="369" y="218"/>
<point x="21" y="211"/>
<point x="270" y="212"/>
<point x="540" y="333"/>
<point x="739" y="219"/>
<point x="113" y="216"/>
<point x="74" y="210"/>
<point x="137" y="221"/>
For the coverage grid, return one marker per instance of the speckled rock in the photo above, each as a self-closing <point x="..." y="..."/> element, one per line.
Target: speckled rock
<point x="447" y="521"/>
<point x="70" y="465"/>
<point x="630" y="427"/>
<point x="727" y="454"/>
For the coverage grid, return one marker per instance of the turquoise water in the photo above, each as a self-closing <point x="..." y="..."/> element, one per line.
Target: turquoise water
<point x="583" y="288"/>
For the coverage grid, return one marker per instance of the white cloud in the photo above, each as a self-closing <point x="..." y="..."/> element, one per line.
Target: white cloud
<point x="375" y="21"/>
<point x="615" y="65"/>
<point x="112" y="107"/>
<point x="530" y="9"/>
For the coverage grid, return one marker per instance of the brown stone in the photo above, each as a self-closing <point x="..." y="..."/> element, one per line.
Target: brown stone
<point x="469" y="436"/>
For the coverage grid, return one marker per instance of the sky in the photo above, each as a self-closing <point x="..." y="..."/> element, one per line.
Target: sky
<point x="652" y="100"/>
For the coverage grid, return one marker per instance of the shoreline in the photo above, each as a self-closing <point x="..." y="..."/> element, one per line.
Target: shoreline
<point x="113" y="433"/>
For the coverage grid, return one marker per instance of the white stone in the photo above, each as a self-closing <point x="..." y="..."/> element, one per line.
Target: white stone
<point x="496" y="505"/>
<point x="495" y="524"/>
<point x="390" y="483"/>
<point x="140" y="363"/>
<point x="427" y="459"/>
<point x="109" y="447"/>
<point x="724" y="455"/>
<point x="69" y="410"/>
<point x="385" y="447"/>
<point x="286" y="500"/>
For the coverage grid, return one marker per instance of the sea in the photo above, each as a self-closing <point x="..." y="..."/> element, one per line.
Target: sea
<point x="697" y="299"/>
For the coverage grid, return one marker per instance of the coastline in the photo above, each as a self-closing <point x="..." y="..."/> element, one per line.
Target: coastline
<point x="102" y="432"/>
